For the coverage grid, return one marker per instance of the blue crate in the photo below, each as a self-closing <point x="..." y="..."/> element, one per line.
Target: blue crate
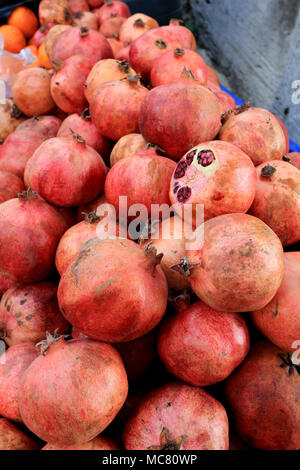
<point x="293" y="146"/>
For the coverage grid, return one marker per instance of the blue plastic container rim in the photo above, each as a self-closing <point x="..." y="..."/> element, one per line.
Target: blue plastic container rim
<point x="293" y="146"/>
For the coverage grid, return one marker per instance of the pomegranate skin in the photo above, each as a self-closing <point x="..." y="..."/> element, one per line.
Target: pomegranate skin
<point x="99" y="443"/>
<point x="116" y="45"/>
<point x="17" y="360"/>
<point x="90" y="207"/>
<point x="183" y="34"/>
<point x="66" y="172"/>
<point x="86" y="19"/>
<point x="263" y="398"/>
<point x="55" y="11"/>
<point x="123" y="54"/>
<point x="110" y="28"/>
<point x="188" y="417"/>
<point x="136" y="25"/>
<point x="202" y="346"/>
<point x="240" y="265"/>
<point x="279" y="320"/>
<point x="293" y="159"/>
<point x="112" y="8"/>
<point x="226" y="101"/>
<point x="69" y="409"/>
<point x="47" y="126"/>
<point x="126" y="147"/>
<point x="28" y="312"/>
<point x="122" y="302"/>
<point x="257" y="132"/>
<point x="10" y="185"/>
<point x="10" y="116"/>
<point x="12" y="438"/>
<point x="218" y="175"/>
<point x="78" y="5"/>
<point x="198" y="117"/>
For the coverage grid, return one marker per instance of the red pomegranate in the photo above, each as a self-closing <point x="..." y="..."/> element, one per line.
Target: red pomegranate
<point x="30" y="230"/>
<point x="286" y="135"/>
<point x="226" y="101"/>
<point x="183" y="34"/>
<point x="116" y="45"/>
<point x="11" y="117"/>
<point x="168" y="67"/>
<point x="28" y="312"/>
<point x="257" y="132"/>
<point x="67" y="83"/>
<point x="198" y="117"/>
<point x="12" y="438"/>
<point x="13" y="364"/>
<point x="177" y="416"/>
<point x="10" y="185"/>
<point x="40" y="35"/>
<point x="112" y="8"/>
<point x="95" y="3"/>
<point x="90" y="207"/>
<point x="122" y="302"/>
<point x="216" y="174"/>
<point x="136" y="25"/>
<point x="202" y="346"/>
<point x="116" y="105"/>
<point x="98" y="443"/>
<point x="293" y="158"/>
<point x="263" y="395"/>
<point x="46" y="125"/>
<point x="126" y="147"/>
<point x="70" y="410"/>
<point x="80" y="41"/>
<point x="277" y="199"/>
<point x="212" y="77"/>
<point x="110" y="28"/>
<point x="55" y="11"/>
<point x="123" y="54"/>
<point x="66" y="172"/>
<point x="78" y="5"/>
<point x="240" y="265"/>
<point x="86" y="19"/>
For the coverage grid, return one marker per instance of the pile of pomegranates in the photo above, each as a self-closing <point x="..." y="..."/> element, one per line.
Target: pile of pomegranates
<point x="149" y="247"/>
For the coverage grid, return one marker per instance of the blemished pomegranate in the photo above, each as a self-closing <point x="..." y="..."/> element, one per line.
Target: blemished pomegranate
<point x="12" y="438"/>
<point x="67" y="83"/>
<point x="112" y="8"/>
<point x="202" y="346"/>
<point x="98" y="443"/>
<point x="177" y="416"/>
<point x="69" y="409"/>
<point x="27" y="312"/>
<point x="122" y="302"/>
<point x="183" y="34"/>
<point x="51" y="35"/>
<point x="216" y="174"/>
<point x="10" y="185"/>
<point x="279" y="319"/>
<point x="40" y="35"/>
<point x="86" y="19"/>
<point x="277" y="199"/>
<point x="126" y="147"/>
<point x="10" y="118"/>
<point x="257" y="132"/>
<point x="116" y="45"/>
<point x="55" y="11"/>
<point x="168" y="67"/>
<point x="115" y="107"/>
<point x="31" y="91"/>
<point x="12" y="368"/>
<point x="263" y="395"/>
<point x="240" y="265"/>
<point x="80" y="41"/>
<point x="30" y="230"/>
<point x="66" y="172"/>
<point x="110" y="28"/>
<point x="198" y="117"/>
<point x="136" y="25"/>
<point x="78" y="5"/>
<point x="293" y="158"/>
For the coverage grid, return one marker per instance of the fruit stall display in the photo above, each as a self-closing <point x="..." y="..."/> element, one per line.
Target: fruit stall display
<point x="142" y="342"/>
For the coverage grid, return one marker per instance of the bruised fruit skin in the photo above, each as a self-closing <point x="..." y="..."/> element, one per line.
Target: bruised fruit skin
<point x="10" y="185"/>
<point x="66" y="172"/>
<point x="12" y="438"/>
<point x="116" y="105"/>
<point x="263" y="395"/>
<point x="10" y="118"/>
<point x="177" y="416"/>
<point x="279" y="321"/>
<point x="277" y="199"/>
<point x="86" y="19"/>
<point x="240" y="265"/>
<point x="69" y="409"/>
<point x="112" y="8"/>
<point x="126" y="147"/>
<point x="110" y="28"/>
<point x="30" y="230"/>
<point x="197" y="117"/>
<point x="99" y="443"/>
<point x="136" y="25"/>
<point x="183" y="34"/>
<point x="55" y="11"/>
<point x="31" y="91"/>
<point x="216" y="174"/>
<point x="202" y="346"/>
<point x="168" y="67"/>
<point x="28" y="312"/>
<point x="17" y="360"/>
<point x="257" y="132"/>
<point x="120" y="303"/>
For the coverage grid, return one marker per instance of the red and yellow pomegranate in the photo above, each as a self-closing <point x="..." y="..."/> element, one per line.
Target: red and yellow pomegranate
<point x="55" y="11"/>
<point x="136" y="25"/>
<point x="110" y="28"/>
<point x="183" y="34"/>
<point x="126" y="147"/>
<point x="86" y="19"/>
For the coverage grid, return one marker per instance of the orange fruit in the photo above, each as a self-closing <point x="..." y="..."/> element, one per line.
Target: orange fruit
<point x="43" y="57"/>
<point x="14" y="39"/>
<point x="24" y="19"/>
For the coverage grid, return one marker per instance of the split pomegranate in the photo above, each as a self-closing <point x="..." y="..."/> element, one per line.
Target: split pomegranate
<point x="55" y="11"/>
<point x="110" y="28"/>
<point x="12" y="438"/>
<point x="86" y="19"/>
<point x="78" y="5"/>
<point x="112" y="8"/>
<point x="177" y="416"/>
<point x="122" y="302"/>
<point x="293" y="158"/>
<point x="10" y="118"/>
<point x="69" y="409"/>
<point x="10" y="185"/>
<point x="183" y="34"/>
<point x="136" y="25"/>
<point x="99" y="443"/>
<point x="126" y="147"/>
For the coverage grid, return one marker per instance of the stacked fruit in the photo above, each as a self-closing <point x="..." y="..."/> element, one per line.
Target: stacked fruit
<point x="94" y="298"/>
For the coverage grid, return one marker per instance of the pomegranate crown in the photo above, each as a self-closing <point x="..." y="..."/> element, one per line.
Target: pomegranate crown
<point x="50" y="339"/>
<point x="184" y="267"/>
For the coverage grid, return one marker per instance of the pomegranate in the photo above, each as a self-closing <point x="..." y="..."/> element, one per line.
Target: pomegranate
<point x="40" y="35"/>
<point x="263" y="395"/>
<point x="136" y="25"/>
<point x="31" y="91"/>
<point x="202" y="346"/>
<point x="90" y="207"/>
<point x="177" y="416"/>
<point x="95" y="3"/>
<point x="10" y="185"/>
<point x="126" y="147"/>
<point x="122" y="302"/>
<point x="29" y="233"/>
<point x="51" y="35"/>
<point x="69" y="214"/>
<point x="10" y="118"/>
<point x="110" y="28"/>
<point x="67" y="83"/>
<point x="86" y="19"/>
<point x="115" y="107"/>
<point x="80" y="41"/>
<point x="123" y="54"/>
<point x="277" y="199"/>
<point x="12" y="438"/>
<point x="168" y="67"/>
<point x="183" y="34"/>
<point x="212" y="77"/>
<point x="98" y="443"/>
<point x="78" y="5"/>
<point x="256" y="131"/>
<point x="198" y="117"/>
<point x="47" y="126"/>
<point x="116" y="45"/>
<point x="216" y="174"/>
<point x="286" y="135"/>
<point x="293" y="158"/>
<point x="28" y="312"/>
<point x="66" y="172"/>
<point x="69" y="409"/>
<point x="16" y="360"/>
<point x="112" y="8"/>
<point x="55" y="11"/>
<point x="240" y="265"/>
<point x="226" y="101"/>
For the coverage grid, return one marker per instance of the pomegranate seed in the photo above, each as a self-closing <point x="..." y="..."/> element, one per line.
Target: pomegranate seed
<point x="190" y="157"/>
<point x="184" y="194"/>
<point x="205" y="157"/>
<point x="180" y="169"/>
